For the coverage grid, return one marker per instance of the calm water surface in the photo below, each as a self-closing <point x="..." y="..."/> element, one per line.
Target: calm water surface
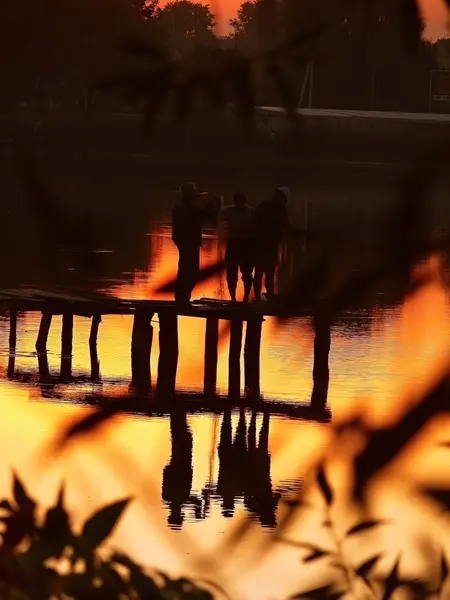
<point x="190" y="497"/>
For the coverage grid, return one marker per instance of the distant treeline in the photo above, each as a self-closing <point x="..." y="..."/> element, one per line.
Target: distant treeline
<point x="55" y="54"/>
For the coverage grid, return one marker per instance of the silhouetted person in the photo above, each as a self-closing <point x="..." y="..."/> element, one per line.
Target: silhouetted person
<point x="187" y="236"/>
<point x="238" y="219"/>
<point x="270" y="222"/>
<point x="232" y="457"/>
<point x="177" y="475"/>
<point x="259" y="498"/>
<point x="187" y="220"/>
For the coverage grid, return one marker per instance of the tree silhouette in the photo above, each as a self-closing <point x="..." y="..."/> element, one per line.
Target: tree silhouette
<point x="147" y="8"/>
<point x="186" y="24"/>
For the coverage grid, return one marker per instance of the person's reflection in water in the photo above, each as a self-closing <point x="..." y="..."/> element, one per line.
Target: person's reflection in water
<point x="177" y="475"/>
<point x="259" y="498"/>
<point x="232" y="458"/>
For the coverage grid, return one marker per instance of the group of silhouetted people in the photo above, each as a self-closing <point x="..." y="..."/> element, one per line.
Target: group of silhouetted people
<point x="253" y="238"/>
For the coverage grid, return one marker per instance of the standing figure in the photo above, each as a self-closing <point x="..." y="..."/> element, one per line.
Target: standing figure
<point x="187" y="236"/>
<point x="271" y="219"/>
<point x="238" y="221"/>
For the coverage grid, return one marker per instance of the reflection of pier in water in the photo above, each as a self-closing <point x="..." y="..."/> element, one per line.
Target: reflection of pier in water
<point x="94" y="306"/>
<point x="244" y="473"/>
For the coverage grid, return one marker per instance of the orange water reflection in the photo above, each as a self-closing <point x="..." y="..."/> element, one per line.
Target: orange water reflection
<point x="379" y="363"/>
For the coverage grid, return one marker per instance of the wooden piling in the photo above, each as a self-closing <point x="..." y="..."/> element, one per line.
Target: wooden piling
<point x="141" y="349"/>
<point x="234" y="359"/>
<point x="95" y="364"/>
<point x="168" y="353"/>
<point x="252" y="357"/>
<point x="12" y="328"/>
<point x="44" y="328"/>
<point x="44" y="371"/>
<point x="96" y="320"/>
<point x="66" y="345"/>
<point x="321" y="374"/>
<point x="211" y="356"/>
<point x="12" y="342"/>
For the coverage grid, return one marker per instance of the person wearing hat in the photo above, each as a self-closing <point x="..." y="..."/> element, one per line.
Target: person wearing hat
<point x="187" y="222"/>
<point x="187" y="236"/>
<point x="270" y="221"/>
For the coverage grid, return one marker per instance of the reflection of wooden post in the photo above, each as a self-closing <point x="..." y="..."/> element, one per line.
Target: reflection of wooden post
<point x="66" y="345"/>
<point x="234" y="359"/>
<point x="321" y="374"/>
<point x="44" y="328"/>
<point x="252" y="357"/>
<point x="95" y="365"/>
<point x="12" y="341"/>
<point x="211" y="356"/>
<point x="141" y="348"/>
<point x="168" y="353"/>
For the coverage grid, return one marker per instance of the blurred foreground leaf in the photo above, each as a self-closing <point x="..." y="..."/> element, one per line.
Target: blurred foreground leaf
<point x="98" y="527"/>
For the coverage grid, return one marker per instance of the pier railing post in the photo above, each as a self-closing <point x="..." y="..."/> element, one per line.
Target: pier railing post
<point x="141" y="348"/>
<point x="252" y="357"/>
<point x="321" y="373"/>
<point x="234" y="359"/>
<point x="95" y="364"/>
<point x="66" y="345"/>
<point x="168" y="353"/>
<point x="211" y="356"/>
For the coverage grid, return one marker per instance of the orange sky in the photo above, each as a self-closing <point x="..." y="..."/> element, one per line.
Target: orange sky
<point x="434" y="12"/>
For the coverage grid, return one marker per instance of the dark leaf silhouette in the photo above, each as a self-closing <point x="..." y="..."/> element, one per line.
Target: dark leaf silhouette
<point x="365" y="569"/>
<point x="384" y="444"/>
<point x="100" y="525"/>
<point x="417" y="588"/>
<point x="6" y="505"/>
<point x="364" y="526"/>
<point x="320" y="593"/>
<point x="442" y="496"/>
<point x="444" y="573"/>
<point x="94" y="420"/>
<point x="324" y="486"/>
<point x="315" y="554"/>
<point x="20" y="525"/>
<point x="392" y="581"/>
<point x="303" y="545"/>
<point x="24" y="502"/>
<point x="56" y="529"/>
<point x="205" y="274"/>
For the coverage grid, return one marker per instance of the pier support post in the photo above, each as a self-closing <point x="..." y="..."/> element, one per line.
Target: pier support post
<point x="12" y="341"/>
<point x="211" y="356"/>
<point x="321" y="373"/>
<point x="234" y="360"/>
<point x="95" y="364"/>
<point x="44" y="371"/>
<point x="252" y="357"/>
<point x="44" y="328"/>
<point x="168" y="354"/>
<point x="141" y="349"/>
<point x="66" y="346"/>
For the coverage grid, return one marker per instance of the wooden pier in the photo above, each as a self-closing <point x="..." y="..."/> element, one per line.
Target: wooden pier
<point x="94" y="306"/>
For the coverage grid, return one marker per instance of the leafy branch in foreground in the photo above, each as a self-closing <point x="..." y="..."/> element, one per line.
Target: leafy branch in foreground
<point x="44" y="558"/>
<point x="361" y="580"/>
